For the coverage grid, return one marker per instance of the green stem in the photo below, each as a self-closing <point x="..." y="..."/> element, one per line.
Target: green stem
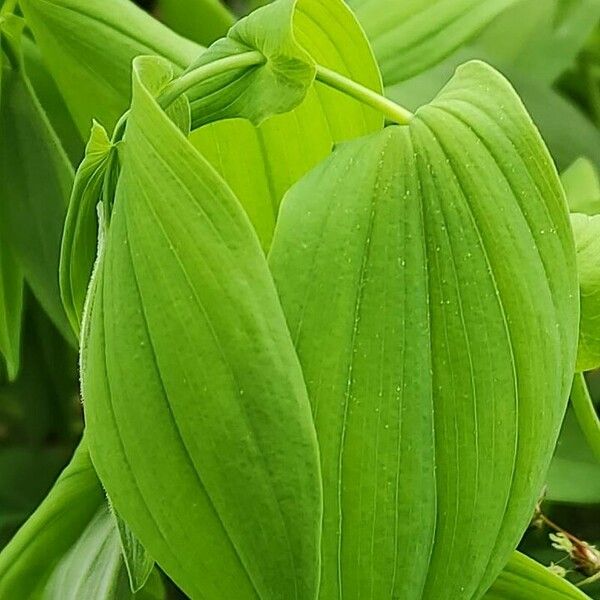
<point x="359" y="92"/>
<point x="182" y="84"/>
<point x="586" y="414"/>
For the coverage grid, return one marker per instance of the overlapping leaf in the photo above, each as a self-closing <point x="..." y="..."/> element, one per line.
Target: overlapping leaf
<point x="88" y="47"/>
<point x="285" y="147"/>
<point x="79" y="242"/>
<point x="206" y="447"/>
<point x="427" y="275"/>
<point x="70" y="548"/>
<point x="29" y="559"/>
<point x="38" y="178"/>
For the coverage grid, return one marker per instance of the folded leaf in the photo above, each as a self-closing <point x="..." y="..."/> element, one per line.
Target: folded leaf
<point x="261" y="163"/>
<point x="410" y="36"/>
<point x="202" y="21"/>
<point x="139" y="563"/>
<point x="525" y="579"/>
<point x="255" y="92"/>
<point x="88" y="47"/>
<point x="258" y="163"/>
<point x="427" y="275"/>
<point x="78" y="248"/>
<point x="206" y="447"/>
<point x="37" y="176"/>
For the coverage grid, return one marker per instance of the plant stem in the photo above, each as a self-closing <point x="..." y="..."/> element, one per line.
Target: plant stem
<point x="586" y="414"/>
<point x="359" y="92"/>
<point x="179" y="86"/>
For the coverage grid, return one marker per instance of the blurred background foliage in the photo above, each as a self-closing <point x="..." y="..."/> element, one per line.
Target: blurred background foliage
<point x="549" y="49"/>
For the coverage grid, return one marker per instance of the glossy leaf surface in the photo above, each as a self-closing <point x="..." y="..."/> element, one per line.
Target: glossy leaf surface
<point x="418" y="271"/>
<point x="212" y="463"/>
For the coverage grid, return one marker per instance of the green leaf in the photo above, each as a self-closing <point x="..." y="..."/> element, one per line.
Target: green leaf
<point x="582" y="187"/>
<point x="256" y="92"/>
<point x="78" y="248"/>
<point x="427" y="275"/>
<point x="139" y="563"/>
<point x="586" y="414"/>
<point x="545" y="37"/>
<point x="202" y="21"/>
<point x="33" y="553"/>
<point x="69" y="548"/>
<point x="88" y="47"/>
<point x="567" y="132"/>
<point x="574" y="475"/>
<point x="94" y="567"/>
<point x="37" y="178"/>
<point x="525" y="579"/>
<point x="52" y="101"/>
<point x="11" y="309"/>
<point x="410" y="36"/>
<point x="586" y="230"/>
<point x="261" y="163"/>
<point x="212" y="463"/>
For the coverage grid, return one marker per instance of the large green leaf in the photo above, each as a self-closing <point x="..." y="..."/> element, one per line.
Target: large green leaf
<point x="428" y="277"/>
<point x="408" y="36"/>
<point x="202" y="21"/>
<point x="37" y="178"/>
<point x="525" y="579"/>
<point x="88" y="47"/>
<point x="206" y="446"/>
